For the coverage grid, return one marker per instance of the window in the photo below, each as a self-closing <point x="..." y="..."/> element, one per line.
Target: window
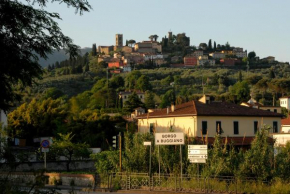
<point x="152" y="128"/>
<point x="219" y="127"/>
<point x="275" y="127"/>
<point x="236" y="127"/>
<point x="204" y="127"/>
<point x="255" y="127"/>
<point x="275" y="110"/>
<point x="125" y="97"/>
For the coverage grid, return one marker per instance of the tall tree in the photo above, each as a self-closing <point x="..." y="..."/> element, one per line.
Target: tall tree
<point x="25" y="34"/>
<point x="94" y="50"/>
<point x="214" y="46"/>
<point x="209" y="45"/>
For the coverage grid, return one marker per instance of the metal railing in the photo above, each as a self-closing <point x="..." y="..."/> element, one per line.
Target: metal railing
<point x="186" y="183"/>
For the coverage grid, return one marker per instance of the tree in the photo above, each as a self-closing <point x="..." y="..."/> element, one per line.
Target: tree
<point x="241" y="90"/>
<point x="131" y="43"/>
<point x="251" y="55"/>
<point x="26" y="34"/>
<point x="132" y="103"/>
<point x="63" y="146"/>
<point x="143" y="83"/>
<point x="214" y="46"/>
<point x="94" y="50"/>
<point x="209" y="45"/>
<point x="240" y="76"/>
<point x="149" y="99"/>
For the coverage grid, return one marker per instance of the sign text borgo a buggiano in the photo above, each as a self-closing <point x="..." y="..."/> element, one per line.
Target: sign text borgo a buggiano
<point x="169" y="139"/>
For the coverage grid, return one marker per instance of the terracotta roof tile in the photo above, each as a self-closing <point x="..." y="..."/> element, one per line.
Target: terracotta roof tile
<point x="285" y="121"/>
<point x="211" y="109"/>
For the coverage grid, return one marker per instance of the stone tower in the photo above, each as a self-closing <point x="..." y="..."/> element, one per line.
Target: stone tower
<point x="119" y="39"/>
<point x="169" y="35"/>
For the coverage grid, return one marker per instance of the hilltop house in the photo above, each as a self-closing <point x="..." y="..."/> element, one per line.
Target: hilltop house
<point x="254" y="104"/>
<point x="203" y="119"/>
<point x="285" y="102"/>
<point x="124" y="95"/>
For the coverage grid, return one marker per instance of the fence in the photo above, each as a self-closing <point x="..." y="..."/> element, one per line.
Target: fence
<point x="186" y="183"/>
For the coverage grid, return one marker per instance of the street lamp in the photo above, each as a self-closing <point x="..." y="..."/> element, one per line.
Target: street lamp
<point x="148" y="143"/>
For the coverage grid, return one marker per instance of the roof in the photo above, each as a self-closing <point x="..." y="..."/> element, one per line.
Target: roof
<point x="194" y="108"/>
<point x="285" y="97"/>
<point x="285" y="121"/>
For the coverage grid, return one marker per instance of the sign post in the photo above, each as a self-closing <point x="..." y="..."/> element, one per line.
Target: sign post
<point x="148" y="143"/>
<point x="171" y="139"/>
<point x="45" y="148"/>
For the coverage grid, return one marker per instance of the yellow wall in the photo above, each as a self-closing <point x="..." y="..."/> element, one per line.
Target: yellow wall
<point x="192" y="125"/>
<point x="186" y="125"/>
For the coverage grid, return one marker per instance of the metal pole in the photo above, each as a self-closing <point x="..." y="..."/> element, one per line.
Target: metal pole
<point x="150" y="163"/>
<point x="180" y="163"/>
<point x="120" y="148"/>
<point x="159" y="160"/>
<point x="45" y="160"/>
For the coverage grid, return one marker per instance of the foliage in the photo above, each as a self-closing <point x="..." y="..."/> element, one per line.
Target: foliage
<point x="241" y="90"/>
<point x="258" y="161"/>
<point x="27" y="33"/>
<point x="106" y="161"/>
<point x="132" y="103"/>
<point x="64" y="146"/>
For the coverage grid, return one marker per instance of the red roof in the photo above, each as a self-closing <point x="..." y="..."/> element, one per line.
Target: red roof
<point x="285" y="121"/>
<point x="212" y="109"/>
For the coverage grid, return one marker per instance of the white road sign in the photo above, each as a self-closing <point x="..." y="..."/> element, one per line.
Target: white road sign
<point x="169" y="139"/>
<point x="197" y="153"/>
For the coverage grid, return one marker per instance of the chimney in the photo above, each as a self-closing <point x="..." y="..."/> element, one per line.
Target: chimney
<point x="167" y="110"/>
<point x="172" y="107"/>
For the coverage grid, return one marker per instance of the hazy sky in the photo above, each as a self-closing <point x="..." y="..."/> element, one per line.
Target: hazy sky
<point x="262" y="26"/>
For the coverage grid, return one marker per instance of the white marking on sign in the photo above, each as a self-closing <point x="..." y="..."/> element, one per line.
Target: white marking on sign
<point x="197" y="160"/>
<point x="193" y="152"/>
<point x="147" y="143"/>
<point x="169" y="139"/>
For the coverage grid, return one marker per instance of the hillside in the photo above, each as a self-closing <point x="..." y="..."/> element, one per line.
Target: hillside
<point x="59" y="56"/>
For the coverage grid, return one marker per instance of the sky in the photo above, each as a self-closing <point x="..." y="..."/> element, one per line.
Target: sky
<point x="262" y="26"/>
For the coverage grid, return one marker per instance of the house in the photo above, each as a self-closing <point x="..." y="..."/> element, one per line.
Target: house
<point x="105" y="49"/>
<point x="254" y="104"/>
<point x="285" y="125"/>
<point x="190" y="60"/>
<point x="148" y="47"/>
<point x="217" y="55"/>
<point x="124" y="95"/>
<point x="204" y="60"/>
<point x="269" y="59"/>
<point x="284" y="102"/>
<point x="228" y="61"/>
<point x="198" y="53"/>
<point x="203" y="119"/>
<point x="116" y="64"/>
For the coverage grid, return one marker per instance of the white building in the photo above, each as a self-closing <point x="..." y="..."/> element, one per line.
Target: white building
<point x="284" y="102"/>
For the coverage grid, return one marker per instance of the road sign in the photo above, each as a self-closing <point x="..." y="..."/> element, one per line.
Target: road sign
<point x="44" y="143"/>
<point x="169" y="139"/>
<point x="197" y="160"/>
<point x="197" y="153"/>
<point x="147" y="143"/>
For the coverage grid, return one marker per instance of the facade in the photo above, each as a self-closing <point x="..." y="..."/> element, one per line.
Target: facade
<point x="190" y="61"/>
<point x="284" y="102"/>
<point x="203" y="60"/>
<point x="198" y="53"/>
<point x="119" y="40"/>
<point x="285" y="125"/>
<point x="148" y="47"/>
<point x="116" y="64"/>
<point x="228" y="62"/>
<point x="124" y="95"/>
<point x="240" y="54"/>
<point x="204" y="118"/>
<point x="105" y="49"/>
<point x="217" y="55"/>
